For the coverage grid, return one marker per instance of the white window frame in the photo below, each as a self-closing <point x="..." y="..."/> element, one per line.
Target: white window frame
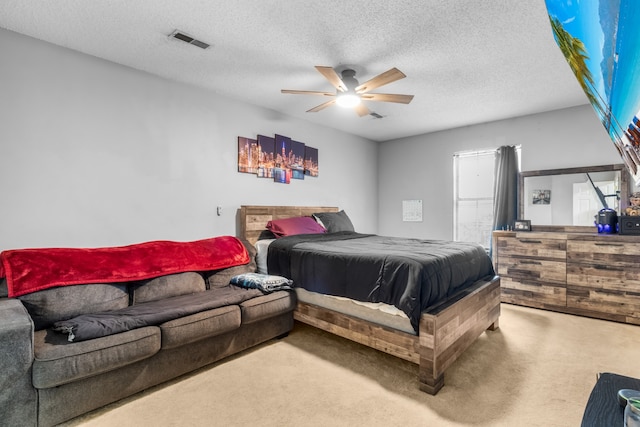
<point x="456" y="182"/>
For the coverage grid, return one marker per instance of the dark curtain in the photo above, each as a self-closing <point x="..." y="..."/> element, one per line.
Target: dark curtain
<point x="505" y="190"/>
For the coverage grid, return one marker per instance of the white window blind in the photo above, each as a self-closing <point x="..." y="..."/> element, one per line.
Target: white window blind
<point x="473" y="196"/>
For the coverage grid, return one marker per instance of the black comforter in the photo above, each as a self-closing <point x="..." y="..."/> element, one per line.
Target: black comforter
<point x="410" y="274"/>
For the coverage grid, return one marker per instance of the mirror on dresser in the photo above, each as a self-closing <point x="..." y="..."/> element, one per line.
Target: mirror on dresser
<point x="571" y="198"/>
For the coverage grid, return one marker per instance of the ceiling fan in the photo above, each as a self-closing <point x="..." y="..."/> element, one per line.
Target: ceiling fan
<point x="350" y="93"/>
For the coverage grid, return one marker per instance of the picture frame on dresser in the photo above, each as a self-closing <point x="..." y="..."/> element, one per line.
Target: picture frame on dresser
<point x="522" y="225"/>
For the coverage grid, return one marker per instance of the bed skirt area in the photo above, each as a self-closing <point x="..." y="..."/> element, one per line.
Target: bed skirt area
<point x="446" y="330"/>
<point x="378" y="313"/>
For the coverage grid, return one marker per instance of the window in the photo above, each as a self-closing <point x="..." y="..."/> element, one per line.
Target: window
<point x="473" y="174"/>
<point x="473" y="196"/>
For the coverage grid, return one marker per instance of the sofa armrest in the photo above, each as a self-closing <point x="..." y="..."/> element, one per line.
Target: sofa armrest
<point x="17" y="395"/>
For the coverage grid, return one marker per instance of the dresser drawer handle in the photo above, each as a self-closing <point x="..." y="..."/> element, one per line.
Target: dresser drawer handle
<point x="607" y="267"/>
<point x="530" y="241"/>
<point x="609" y="244"/>
<point x="530" y="262"/>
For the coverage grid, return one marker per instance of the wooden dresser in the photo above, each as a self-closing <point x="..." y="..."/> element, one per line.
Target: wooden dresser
<point x="588" y="274"/>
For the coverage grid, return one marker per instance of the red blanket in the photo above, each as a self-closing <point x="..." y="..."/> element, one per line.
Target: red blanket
<point x="30" y="270"/>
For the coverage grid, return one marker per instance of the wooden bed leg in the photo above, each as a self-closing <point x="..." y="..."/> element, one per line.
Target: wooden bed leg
<point x="447" y="332"/>
<point x="430" y="381"/>
<point x="431" y="385"/>
<point x="495" y="325"/>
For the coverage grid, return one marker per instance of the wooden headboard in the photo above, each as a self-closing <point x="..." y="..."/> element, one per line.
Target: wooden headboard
<point x="253" y="219"/>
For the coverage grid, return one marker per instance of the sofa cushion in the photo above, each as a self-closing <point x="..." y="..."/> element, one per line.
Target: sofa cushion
<point x="221" y="278"/>
<point x="93" y="325"/>
<point x="198" y="326"/>
<point x="167" y="286"/>
<point x="267" y="306"/>
<point x="4" y="290"/>
<point x="58" y="361"/>
<point x="51" y="305"/>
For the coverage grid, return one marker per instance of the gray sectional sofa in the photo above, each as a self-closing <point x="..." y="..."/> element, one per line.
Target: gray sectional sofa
<point x="47" y="379"/>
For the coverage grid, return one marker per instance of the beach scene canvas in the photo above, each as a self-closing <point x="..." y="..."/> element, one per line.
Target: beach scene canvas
<point x="600" y="40"/>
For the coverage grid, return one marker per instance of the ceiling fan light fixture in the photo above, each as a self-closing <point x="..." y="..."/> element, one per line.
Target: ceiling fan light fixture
<point x="348" y="99"/>
<point x="350" y="94"/>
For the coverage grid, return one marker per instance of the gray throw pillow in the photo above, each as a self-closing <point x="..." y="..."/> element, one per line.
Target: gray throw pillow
<point x="167" y="286"/>
<point x="221" y="278"/>
<point x="334" y="221"/>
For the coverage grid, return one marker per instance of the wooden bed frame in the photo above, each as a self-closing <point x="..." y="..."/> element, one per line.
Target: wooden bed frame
<point x="446" y="330"/>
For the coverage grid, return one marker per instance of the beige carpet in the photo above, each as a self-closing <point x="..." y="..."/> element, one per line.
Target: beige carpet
<point x="536" y="370"/>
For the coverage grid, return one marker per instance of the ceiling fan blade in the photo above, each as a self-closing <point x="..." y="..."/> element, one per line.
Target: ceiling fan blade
<point x="380" y="80"/>
<point x="307" y="92"/>
<point x="333" y="77"/>
<point x="387" y="97"/>
<point x="322" y="106"/>
<point x="361" y="109"/>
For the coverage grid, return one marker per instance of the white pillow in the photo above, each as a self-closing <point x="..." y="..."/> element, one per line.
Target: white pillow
<point x="262" y="249"/>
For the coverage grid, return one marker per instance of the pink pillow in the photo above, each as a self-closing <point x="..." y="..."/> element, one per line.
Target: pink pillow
<point x="295" y="225"/>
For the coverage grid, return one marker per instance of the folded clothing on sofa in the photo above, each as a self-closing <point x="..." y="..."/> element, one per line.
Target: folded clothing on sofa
<point x="265" y="282"/>
<point x="94" y="325"/>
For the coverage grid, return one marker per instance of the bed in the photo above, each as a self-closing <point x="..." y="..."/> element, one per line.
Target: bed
<point x="445" y="329"/>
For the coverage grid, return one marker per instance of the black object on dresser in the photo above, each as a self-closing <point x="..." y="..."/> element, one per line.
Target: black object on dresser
<point x="629" y="225"/>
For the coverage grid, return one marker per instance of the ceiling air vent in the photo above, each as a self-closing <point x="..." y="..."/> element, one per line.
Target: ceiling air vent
<point x="179" y="35"/>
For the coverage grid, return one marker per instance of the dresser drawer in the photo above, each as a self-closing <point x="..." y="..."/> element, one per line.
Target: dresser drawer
<point x="532" y="246"/>
<point x="532" y="293"/>
<point x="533" y="269"/>
<point x="612" y="277"/>
<point x="603" y="253"/>
<point x="609" y="289"/>
<point x="614" y="305"/>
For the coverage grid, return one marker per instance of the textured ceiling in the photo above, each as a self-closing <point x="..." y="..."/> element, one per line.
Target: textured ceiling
<point x="466" y="61"/>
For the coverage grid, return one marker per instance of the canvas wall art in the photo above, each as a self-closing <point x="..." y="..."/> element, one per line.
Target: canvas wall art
<point x="310" y="161"/>
<point x="266" y="157"/>
<point x="247" y="155"/>
<point x="296" y="160"/>
<point x="279" y="158"/>
<point x="601" y="43"/>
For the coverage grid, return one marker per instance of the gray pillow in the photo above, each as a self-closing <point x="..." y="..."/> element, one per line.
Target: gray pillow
<point x="221" y="278"/>
<point x="334" y="222"/>
<point x="65" y="302"/>
<point x="171" y="285"/>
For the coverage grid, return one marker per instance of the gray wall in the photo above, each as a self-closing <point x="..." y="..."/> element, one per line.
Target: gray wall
<point x="96" y="154"/>
<point x="421" y="167"/>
